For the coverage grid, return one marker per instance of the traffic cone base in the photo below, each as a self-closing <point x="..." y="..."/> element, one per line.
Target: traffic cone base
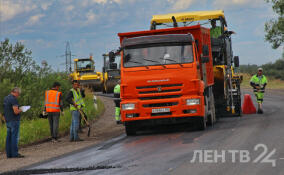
<point x="248" y="107"/>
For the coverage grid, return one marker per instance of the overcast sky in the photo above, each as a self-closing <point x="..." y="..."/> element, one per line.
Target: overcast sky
<point x="91" y="26"/>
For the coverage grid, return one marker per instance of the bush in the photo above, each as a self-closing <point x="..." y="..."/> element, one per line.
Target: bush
<point x="274" y="70"/>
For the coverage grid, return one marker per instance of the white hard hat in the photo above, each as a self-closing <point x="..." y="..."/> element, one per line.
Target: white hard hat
<point x="259" y="69"/>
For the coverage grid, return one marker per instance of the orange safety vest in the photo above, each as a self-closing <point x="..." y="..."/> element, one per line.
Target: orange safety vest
<point x="52" y="101"/>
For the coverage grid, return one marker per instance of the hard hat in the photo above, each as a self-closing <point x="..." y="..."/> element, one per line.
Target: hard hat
<point x="260" y="69"/>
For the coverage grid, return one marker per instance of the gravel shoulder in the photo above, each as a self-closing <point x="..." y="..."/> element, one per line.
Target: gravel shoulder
<point x="102" y="129"/>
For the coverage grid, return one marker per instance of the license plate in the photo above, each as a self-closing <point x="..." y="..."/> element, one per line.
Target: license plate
<point x="159" y="110"/>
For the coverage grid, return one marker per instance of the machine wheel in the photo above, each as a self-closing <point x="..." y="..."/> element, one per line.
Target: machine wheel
<point x="130" y="130"/>
<point x="212" y="114"/>
<point x="109" y="88"/>
<point x="103" y="88"/>
<point x="239" y="103"/>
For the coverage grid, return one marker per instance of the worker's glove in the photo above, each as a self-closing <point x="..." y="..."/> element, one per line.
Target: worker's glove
<point x="62" y="113"/>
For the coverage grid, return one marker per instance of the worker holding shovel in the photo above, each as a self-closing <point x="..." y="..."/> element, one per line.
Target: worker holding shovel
<point x="76" y="102"/>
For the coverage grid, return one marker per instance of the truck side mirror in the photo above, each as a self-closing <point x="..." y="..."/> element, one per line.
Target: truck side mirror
<point x="236" y="61"/>
<point x="205" y="50"/>
<point x="111" y="56"/>
<point x="205" y="59"/>
<point x="104" y="69"/>
<point x="113" y="66"/>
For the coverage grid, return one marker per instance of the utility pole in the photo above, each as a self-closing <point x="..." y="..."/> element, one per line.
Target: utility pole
<point x="68" y="58"/>
<point x="68" y="55"/>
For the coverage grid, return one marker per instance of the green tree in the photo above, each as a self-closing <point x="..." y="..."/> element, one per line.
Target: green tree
<point x="17" y="68"/>
<point x="275" y="27"/>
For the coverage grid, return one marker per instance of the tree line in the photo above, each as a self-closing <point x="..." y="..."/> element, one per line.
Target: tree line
<point x="274" y="70"/>
<point x="18" y="69"/>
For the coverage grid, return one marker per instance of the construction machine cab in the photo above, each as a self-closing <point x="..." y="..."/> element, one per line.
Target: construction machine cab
<point x="221" y="47"/>
<point x="111" y="71"/>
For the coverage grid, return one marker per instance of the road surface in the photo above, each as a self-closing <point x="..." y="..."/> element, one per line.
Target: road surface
<point x="172" y="151"/>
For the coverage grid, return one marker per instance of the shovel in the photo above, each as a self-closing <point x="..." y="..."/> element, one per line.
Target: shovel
<point x="84" y="116"/>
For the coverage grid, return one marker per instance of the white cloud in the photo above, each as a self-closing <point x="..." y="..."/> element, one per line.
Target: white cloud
<point x="237" y="3"/>
<point x="91" y="17"/>
<point x="42" y="43"/>
<point x="181" y="4"/>
<point x="69" y="8"/>
<point x="9" y="9"/>
<point x="45" y="5"/>
<point x="99" y="1"/>
<point x="34" y="19"/>
<point x="86" y="3"/>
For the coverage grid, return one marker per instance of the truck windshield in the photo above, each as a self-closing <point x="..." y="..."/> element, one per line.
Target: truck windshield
<point x="86" y="64"/>
<point x="157" y="55"/>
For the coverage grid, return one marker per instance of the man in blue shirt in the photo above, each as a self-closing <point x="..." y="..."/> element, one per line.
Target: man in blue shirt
<point x="12" y="117"/>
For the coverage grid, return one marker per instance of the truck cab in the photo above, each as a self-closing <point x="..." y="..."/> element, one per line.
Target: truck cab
<point x="163" y="76"/>
<point x="173" y="75"/>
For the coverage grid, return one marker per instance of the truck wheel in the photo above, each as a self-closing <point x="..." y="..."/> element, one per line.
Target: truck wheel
<point x="130" y="131"/>
<point x="201" y="123"/>
<point x="212" y="114"/>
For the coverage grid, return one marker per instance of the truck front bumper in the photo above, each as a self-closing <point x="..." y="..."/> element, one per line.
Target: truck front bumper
<point x="162" y="109"/>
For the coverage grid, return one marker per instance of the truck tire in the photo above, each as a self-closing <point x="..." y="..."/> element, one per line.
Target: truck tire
<point x="212" y="114"/>
<point x="130" y="130"/>
<point x="201" y="123"/>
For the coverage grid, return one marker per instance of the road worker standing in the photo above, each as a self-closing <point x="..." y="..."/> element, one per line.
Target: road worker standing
<point x="258" y="82"/>
<point x="53" y="106"/>
<point x="117" y="100"/>
<point x="75" y="99"/>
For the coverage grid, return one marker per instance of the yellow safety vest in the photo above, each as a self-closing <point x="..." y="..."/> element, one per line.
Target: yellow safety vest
<point x="78" y="99"/>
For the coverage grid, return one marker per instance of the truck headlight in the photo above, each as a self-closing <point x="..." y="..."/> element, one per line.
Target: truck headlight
<point x="193" y="101"/>
<point x="128" y="106"/>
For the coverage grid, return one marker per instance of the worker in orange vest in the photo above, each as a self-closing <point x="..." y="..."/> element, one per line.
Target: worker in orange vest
<point x="53" y="106"/>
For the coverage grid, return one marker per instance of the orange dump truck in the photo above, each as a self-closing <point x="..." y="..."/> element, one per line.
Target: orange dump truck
<point x="167" y="76"/>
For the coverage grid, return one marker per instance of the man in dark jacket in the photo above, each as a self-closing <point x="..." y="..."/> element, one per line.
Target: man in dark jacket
<point x="12" y="118"/>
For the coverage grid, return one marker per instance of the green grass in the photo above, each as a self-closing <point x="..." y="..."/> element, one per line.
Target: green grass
<point x="272" y="83"/>
<point x="32" y="131"/>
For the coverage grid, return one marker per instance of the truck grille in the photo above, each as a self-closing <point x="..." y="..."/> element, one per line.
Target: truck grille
<point x="159" y="97"/>
<point x="156" y="86"/>
<point x="156" y="91"/>
<point x="160" y="104"/>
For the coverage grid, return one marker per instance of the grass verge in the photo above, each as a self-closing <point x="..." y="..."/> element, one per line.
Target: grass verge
<point x="32" y="131"/>
<point x="272" y="82"/>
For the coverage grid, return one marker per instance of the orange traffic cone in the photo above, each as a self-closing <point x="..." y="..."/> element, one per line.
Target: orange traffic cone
<point x="248" y="107"/>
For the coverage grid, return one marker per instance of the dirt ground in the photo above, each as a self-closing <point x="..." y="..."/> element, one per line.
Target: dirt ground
<point x="102" y="129"/>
